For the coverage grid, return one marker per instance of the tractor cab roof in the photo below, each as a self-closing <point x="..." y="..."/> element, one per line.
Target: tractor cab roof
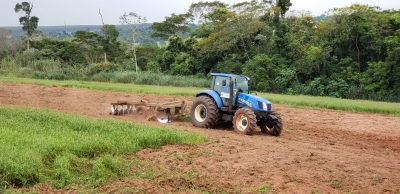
<point x="229" y="75"/>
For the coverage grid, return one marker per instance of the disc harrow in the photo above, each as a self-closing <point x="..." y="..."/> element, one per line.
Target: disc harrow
<point x="162" y="112"/>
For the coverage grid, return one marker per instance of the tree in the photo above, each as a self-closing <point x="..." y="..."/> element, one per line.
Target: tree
<point x="284" y="5"/>
<point x="4" y="36"/>
<point x="91" y="44"/>
<point x="174" y="48"/>
<point x="262" y="71"/>
<point x="174" y="25"/>
<point x="109" y="41"/>
<point x="232" y="30"/>
<point x="201" y="9"/>
<point x="132" y="19"/>
<point x="29" y="23"/>
<point x="357" y="32"/>
<point x="393" y="59"/>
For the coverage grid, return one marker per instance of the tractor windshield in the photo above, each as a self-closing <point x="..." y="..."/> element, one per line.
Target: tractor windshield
<point x="241" y="84"/>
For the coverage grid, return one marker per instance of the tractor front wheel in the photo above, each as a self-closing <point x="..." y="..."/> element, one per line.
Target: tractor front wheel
<point x="244" y="121"/>
<point x="204" y="113"/>
<point x="276" y="129"/>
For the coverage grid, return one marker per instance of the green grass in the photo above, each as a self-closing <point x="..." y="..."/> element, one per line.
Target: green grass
<point x="116" y="87"/>
<point x="292" y="100"/>
<point x="58" y="149"/>
<point x="335" y="103"/>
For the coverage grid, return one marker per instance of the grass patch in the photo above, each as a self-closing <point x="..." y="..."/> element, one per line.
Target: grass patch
<point x="115" y="87"/>
<point x="335" y="183"/>
<point x="334" y="103"/>
<point x="263" y="189"/>
<point x="58" y="149"/>
<point x="292" y="100"/>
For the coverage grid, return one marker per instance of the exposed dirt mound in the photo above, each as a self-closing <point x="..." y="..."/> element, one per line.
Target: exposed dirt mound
<point x="319" y="150"/>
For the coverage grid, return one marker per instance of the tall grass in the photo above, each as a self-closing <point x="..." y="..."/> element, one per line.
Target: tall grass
<point x="54" y="70"/>
<point x="42" y="146"/>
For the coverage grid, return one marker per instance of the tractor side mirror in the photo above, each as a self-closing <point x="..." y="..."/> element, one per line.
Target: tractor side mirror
<point x="224" y="82"/>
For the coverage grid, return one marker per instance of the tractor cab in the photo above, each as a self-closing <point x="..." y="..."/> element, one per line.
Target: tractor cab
<point x="222" y="85"/>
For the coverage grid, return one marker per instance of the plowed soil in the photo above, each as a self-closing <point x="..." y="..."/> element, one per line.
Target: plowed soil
<point x="319" y="150"/>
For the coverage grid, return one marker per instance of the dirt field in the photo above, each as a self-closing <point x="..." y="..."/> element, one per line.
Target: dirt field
<point x="319" y="150"/>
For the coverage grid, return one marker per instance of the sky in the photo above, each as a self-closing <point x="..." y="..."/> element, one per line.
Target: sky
<point x="86" y="12"/>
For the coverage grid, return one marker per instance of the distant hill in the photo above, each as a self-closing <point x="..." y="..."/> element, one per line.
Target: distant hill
<point x="319" y="18"/>
<point x="58" y="32"/>
<point x="17" y="30"/>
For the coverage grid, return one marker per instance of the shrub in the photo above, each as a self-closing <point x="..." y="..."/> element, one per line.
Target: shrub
<point x="149" y="78"/>
<point x="57" y="75"/>
<point x="337" y="88"/>
<point x="45" y="65"/>
<point x="125" y="77"/>
<point x="3" y="53"/>
<point x="28" y="57"/>
<point x="25" y="72"/>
<point x="153" y="66"/>
<point x="356" y="92"/>
<point x="54" y="75"/>
<point x="103" y="76"/>
<point x="103" y="67"/>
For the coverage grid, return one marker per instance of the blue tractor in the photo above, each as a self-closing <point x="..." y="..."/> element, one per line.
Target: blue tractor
<point x="229" y="99"/>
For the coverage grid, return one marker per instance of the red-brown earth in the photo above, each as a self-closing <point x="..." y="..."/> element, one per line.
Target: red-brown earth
<point x="319" y="150"/>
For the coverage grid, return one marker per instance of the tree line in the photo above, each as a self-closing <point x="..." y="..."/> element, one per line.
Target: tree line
<point x="351" y="52"/>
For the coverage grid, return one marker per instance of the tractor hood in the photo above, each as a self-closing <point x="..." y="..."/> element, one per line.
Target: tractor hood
<point x="255" y="102"/>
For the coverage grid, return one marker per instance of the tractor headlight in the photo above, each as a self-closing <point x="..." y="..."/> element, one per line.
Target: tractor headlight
<point x="267" y="106"/>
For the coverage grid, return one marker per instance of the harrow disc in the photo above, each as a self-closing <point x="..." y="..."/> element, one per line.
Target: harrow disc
<point x="141" y="112"/>
<point x="162" y="117"/>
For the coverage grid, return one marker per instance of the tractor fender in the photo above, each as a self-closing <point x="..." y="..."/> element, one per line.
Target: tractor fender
<point x="213" y="94"/>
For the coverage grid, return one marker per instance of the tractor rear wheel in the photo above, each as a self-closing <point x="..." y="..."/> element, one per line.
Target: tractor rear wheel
<point x="276" y="129"/>
<point x="204" y="113"/>
<point x="244" y="121"/>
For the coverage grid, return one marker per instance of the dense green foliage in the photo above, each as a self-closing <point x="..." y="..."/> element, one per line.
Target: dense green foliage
<point x="42" y="146"/>
<point x="350" y="52"/>
<point x="173" y="25"/>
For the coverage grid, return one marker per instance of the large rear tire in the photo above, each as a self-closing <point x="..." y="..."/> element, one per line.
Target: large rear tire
<point x="204" y="113"/>
<point x="276" y="129"/>
<point x="244" y="121"/>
